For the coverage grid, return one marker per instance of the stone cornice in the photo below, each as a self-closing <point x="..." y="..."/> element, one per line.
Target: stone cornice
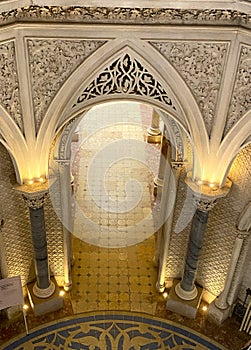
<point x="123" y="15"/>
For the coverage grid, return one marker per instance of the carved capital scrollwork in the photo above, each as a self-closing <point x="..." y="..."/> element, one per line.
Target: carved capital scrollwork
<point x="35" y="200"/>
<point x="34" y="195"/>
<point x="204" y="204"/>
<point x="204" y="196"/>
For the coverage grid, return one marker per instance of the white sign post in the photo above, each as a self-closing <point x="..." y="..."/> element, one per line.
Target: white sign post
<point x="11" y="294"/>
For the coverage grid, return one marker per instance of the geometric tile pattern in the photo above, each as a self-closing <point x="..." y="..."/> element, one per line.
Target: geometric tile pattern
<point x="106" y="277"/>
<point x="107" y="331"/>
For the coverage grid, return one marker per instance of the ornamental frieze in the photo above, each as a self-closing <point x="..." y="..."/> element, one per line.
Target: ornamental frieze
<point x="201" y="65"/>
<point x="51" y="63"/>
<point x="125" y="15"/>
<point x="9" y="86"/>
<point x="241" y="100"/>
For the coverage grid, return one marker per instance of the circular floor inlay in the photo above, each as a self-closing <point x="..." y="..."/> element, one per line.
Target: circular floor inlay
<point x="113" y="330"/>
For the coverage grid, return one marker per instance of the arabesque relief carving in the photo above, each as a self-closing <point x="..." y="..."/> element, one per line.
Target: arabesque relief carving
<point x="9" y="86"/>
<point x="201" y="65"/>
<point x="125" y="15"/>
<point x="241" y="100"/>
<point x="125" y="75"/>
<point x="51" y="63"/>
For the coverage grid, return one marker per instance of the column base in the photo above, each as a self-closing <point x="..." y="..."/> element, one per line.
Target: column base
<point x="217" y="315"/>
<point x="185" y="295"/>
<point x="160" y="287"/>
<point x="183" y="307"/>
<point x="42" y="306"/>
<point x="68" y="287"/>
<point x="43" y="293"/>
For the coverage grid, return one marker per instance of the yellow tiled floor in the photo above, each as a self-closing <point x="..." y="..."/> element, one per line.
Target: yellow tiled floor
<point x="114" y="239"/>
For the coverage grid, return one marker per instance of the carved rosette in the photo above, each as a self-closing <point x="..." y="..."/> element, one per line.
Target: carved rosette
<point x="35" y="200"/>
<point x="51" y="63"/>
<point x="201" y="65"/>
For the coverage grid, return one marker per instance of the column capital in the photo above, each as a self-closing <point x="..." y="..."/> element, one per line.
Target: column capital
<point x="33" y="194"/>
<point x="205" y="195"/>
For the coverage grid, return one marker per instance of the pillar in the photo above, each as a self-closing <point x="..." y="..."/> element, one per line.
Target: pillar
<point x="66" y="212"/>
<point x="34" y="196"/>
<point x="221" y="301"/>
<point x="153" y="132"/>
<point x="167" y="210"/>
<point x="204" y="199"/>
<point x="165" y="156"/>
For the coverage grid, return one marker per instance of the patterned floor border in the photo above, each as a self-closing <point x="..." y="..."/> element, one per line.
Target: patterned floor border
<point x="110" y="331"/>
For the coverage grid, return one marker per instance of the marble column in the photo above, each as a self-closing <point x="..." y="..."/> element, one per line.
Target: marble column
<point x="204" y="201"/>
<point x="34" y="197"/>
<point x="66" y="212"/>
<point x="165" y="156"/>
<point x="153" y="132"/>
<point x="167" y="210"/>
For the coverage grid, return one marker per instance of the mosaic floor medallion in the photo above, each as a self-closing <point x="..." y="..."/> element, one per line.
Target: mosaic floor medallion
<point x="110" y="331"/>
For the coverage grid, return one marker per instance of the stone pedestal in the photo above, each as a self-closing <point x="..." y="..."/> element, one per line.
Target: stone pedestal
<point x="186" y="308"/>
<point x="42" y="306"/>
<point x="218" y="315"/>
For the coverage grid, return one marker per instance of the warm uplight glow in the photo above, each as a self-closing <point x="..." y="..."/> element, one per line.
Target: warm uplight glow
<point x="30" y="182"/>
<point x="199" y="182"/>
<point x="61" y="293"/>
<point x="41" y="179"/>
<point x="204" y="308"/>
<point x="25" y="307"/>
<point x="211" y="185"/>
<point x="165" y="295"/>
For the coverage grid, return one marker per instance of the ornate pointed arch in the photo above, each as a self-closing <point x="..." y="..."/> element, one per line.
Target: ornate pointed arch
<point x="119" y="72"/>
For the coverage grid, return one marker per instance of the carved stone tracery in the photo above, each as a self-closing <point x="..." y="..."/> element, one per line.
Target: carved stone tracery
<point x="241" y="100"/>
<point x="51" y="63"/>
<point x="201" y="65"/>
<point x="125" y="75"/>
<point x="9" y="86"/>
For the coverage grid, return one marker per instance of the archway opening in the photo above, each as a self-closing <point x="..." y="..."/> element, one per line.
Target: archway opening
<point x="115" y="211"/>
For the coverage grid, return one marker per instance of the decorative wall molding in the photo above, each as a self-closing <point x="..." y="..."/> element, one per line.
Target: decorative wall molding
<point x="201" y="65"/>
<point x="9" y="86"/>
<point x="240" y="102"/>
<point x="126" y="15"/>
<point x="51" y="63"/>
<point x="125" y="75"/>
